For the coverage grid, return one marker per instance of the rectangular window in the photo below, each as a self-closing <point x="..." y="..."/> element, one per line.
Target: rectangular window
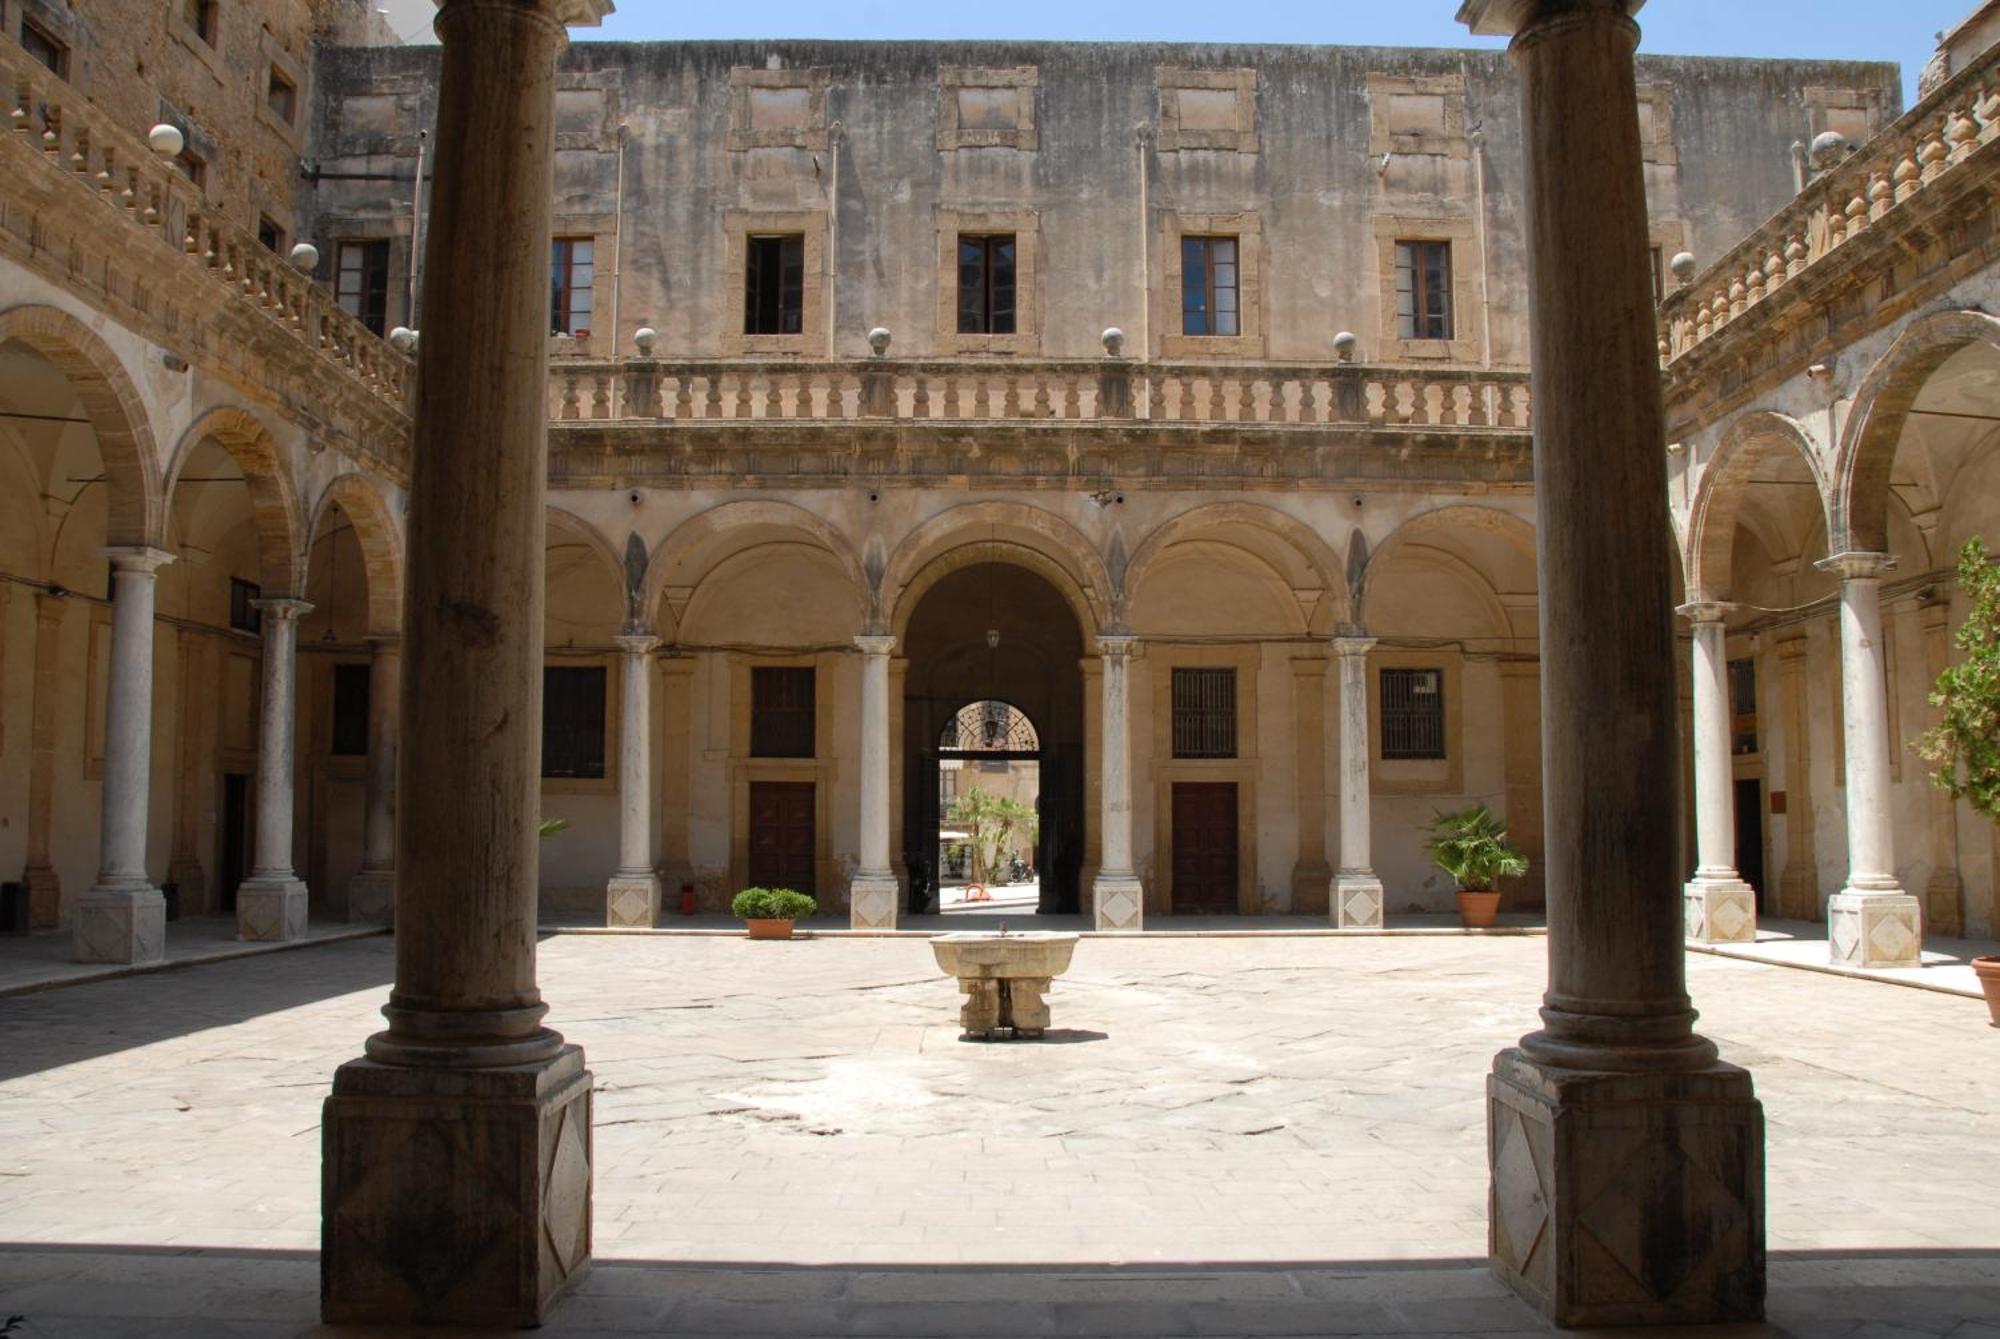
<point x="270" y="234"/>
<point x="351" y="687"/>
<point x="573" y="721"/>
<point x="244" y="615"/>
<point x="200" y="16"/>
<point x="1659" y="278"/>
<point x="571" y="277"/>
<point x="1208" y="286"/>
<point x="1204" y="713"/>
<point x="781" y="711"/>
<point x="1423" y="290"/>
<point x="1412" y="714"/>
<point x="775" y="285"/>
<point x="986" y="284"/>
<point x="282" y="96"/>
<point x="193" y="166"/>
<point x="361" y="282"/>
<point x="1743" y="706"/>
<point x="42" y="45"/>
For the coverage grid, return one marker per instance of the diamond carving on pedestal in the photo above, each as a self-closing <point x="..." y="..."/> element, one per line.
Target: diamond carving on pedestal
<point x="1118" y="908"/>
<point x="1620" y="1220"/>
<point x="1520" y="1198"/>
<point x="1359" y="905"/>
<point x="566" y="1200"/>
<point x="632" y="903"/>
<point x="1891" y="937"/>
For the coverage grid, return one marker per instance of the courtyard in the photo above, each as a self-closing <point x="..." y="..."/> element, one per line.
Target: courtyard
<point x="1219" y="1135"/>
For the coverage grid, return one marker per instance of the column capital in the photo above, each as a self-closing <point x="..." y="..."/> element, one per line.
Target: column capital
<point x="1705" y="611"/>
<point x="1858" y="565"/>
<point x="1347" y="645"/>
<point x="282" y="607"/>
<point x="137" y="557"/>
<point x="875" y="644"/>
<point x="1505" y="18"/>
<point x="1118" y="646"/>
<point x="637" y="643"/>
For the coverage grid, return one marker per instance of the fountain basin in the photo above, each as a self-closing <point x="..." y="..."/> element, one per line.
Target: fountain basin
<point x="1004" y="978"/>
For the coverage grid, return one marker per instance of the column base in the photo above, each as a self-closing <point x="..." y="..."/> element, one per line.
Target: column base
<point x="1627" y="1199"/>
<point x="271" y="910"/>
<point x="122" y="925"/>
<point x="874" y="901"/>
<point x="1357" y="902"/>
<point x="44" y="897"/>
<point x="1874" y="929"/>
<point x="371" y="898"/>
<point x="1117" y="902"/>
<point x="1310" y="890"/>
<point x="1720" y="911"/>
<point x="632" y="901"/>
<point x="454" y="1197"/>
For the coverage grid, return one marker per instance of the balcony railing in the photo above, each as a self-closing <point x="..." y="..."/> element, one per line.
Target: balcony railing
<point x="70" y="135"/>
<point x="1864" y="193"/>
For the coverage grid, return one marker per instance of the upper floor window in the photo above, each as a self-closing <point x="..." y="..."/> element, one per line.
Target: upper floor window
<point x="774" y="285"/>
<point x="1423" y="290"/>
<point x="1412" y="714"/>
<point x="986" y="284"/>
<point x="270" y="234"/>
<point x="573" y="721"/>
<point x="351" y="689"/>
<point x="1659" y="278"/>
<point x="361" y="282"/>
<point x="200" y="15"/>
<point x="193" y="166"/>
<point x="1208" y="286"/>
<point x="282" y="96"/>
<point x="244" y="616"/>
<point x="1743" y="706"/>
<point x="1204" y="713"/>
<point x="781" y="711"/>
<point x="43" y="46"/>
<point x="571" y="280"/>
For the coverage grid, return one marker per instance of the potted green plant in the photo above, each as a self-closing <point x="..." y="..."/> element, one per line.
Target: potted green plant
<point x="1471" y="846"/>
<point x="770" y="912"/>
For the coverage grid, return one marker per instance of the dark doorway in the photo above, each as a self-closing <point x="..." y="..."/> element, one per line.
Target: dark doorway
<point x="1205" y="847"/>
<point x="782" y="835"/>
<point x="1750" y="835"/>
<point x="235" y="862"/>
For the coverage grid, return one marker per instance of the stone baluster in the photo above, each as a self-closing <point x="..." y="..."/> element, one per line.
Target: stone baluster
<point x="1357" y="892"/>
<point x="1118" y="900"/>
<point x="874" y="894"/>
<point x="632" y="897"/>
<point x="1721" y="908"/>
<point x="371" y="893"/>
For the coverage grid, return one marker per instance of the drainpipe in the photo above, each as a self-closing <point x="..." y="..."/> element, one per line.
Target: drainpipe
<point x="1142" y="138"/>
<point x="416" y="234"/>
<point x="834" y="134"/>
<point x="618" y="242"/>
<point x="1478" y="138"/>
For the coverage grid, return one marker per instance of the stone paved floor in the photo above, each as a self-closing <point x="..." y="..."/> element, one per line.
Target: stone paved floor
<point x="1264" y="1117"/>
<point x="40" y="961"/>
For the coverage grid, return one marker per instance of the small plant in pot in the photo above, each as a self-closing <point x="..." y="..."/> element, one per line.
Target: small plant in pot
<point x="770" y="912"/>
<point x="1471" y="846"/>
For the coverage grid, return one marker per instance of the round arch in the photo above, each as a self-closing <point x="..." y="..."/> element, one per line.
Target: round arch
<point x="381" y="541"/>
<point x="1754" y="441"/>
<point x="274" y="503"/>
<point x="1455" y="517"/>
<point x="1011" y="532"/>
<point x="1203" y="522"/>
<point x="726" y="523"/>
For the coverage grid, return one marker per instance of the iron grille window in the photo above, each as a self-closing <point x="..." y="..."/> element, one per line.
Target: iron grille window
<point x="351" y="692"/>
<point x="244" y="615"/>
<point x="775" y="285"/>
<point x="986" y="284"/>
<point x="573" y="721"/>
<point x="572" y="273"/>
<point x="1204" y="713"/>
<point x="1412" y="713"/>
<point x="1208" y="286"/>
<point x="781" y="712"/>
<point x="361" y="282"/>
<point x="1743" y="706"/>
<point x="43" y="46"/>
<point x="1423" y="290"/>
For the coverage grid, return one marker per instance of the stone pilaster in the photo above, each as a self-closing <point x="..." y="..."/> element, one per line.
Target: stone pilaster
<point x="197" y="690"/>
<point x="44" y="885"/>
<point x="1872" y="921"/>
<point x="271" y="903"/>
<point x="1357" y="894"/>
<point x="1627" y="1160"/>
<point x="1118" y="900"/>
<point x="1720" y="907"/>
<point x="371" y="892"/>
<point x="1311" y="875"/>
<point x="874" y="896"/>
<point x="123" y="918"/>
<point x="1944" y="891"/>
<point x="1798" y="886"/>
<point x="632" y="898"/>
<point x="456" y="1183"/>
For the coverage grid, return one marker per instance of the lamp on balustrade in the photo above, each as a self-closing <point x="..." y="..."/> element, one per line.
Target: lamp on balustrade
<point x="166" y="140"/>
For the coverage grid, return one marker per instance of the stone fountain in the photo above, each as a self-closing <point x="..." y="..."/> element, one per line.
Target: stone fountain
<point x="1005" y="978"/>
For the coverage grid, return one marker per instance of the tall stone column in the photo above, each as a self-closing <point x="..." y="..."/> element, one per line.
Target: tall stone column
<point x="371" y="892"/>
<point x="1357" y="893"/>
<point x="44" y="884"/>
<point x="1798" y="886"/>
<point x="1872" y="922"/>
<point x="1944" y="893"/>
<point x="1118" y="900"/>
<point x="1627" y="1161"/>
<point x="456" y="1184"/>
<point x="875" y="894"/>
<point x="1312" y="877"/>
<point x="1720" y="906"/>
<point x="271" y="904"/>
<point x="123" y="918"/>
<point x="632" y="898"/>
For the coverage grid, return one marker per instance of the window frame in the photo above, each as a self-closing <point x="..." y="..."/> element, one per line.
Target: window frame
<point x="57" y="47"/>
<point x="790" y="252"/>
<point x="364" y="298"/>
<point x="1208" y="243"/>
<point x="276" y="82"/>
<point x="244" y="616"/>
<point x="1203" y="726"/>
<point x="989" y="246"/>
<point x="565" y="287"/>
<point x="343" y="731"/>
<point x="779" y="729"/>
<point x="578" y="730"/>
<point x="203" y="18"/>
<point x="1398" y="715"/>
<point x="1419" y="329"/>
<point x="271" y="234"/>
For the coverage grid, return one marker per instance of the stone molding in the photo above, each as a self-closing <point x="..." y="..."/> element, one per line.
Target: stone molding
<point x="1025" y="226"/>
<point x="811" y="130"/>
<point x="1024" y="80"/>
<point x="739" y="225"/>
<point x="1247" y="227"/>
<point x="1468" y="281"/>
<point x="1172" y="80"/>
<point x="1388" y="135"/>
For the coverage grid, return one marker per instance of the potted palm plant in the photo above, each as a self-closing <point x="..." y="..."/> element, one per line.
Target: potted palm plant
<point x="1471" y="846"/>
<point x="770" y="912"/>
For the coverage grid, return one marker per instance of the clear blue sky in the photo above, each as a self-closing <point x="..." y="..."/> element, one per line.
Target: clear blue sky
<point x="1898" y="30"/>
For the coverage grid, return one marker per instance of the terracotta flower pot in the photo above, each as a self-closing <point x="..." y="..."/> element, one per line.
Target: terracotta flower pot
<point x="770" y="929"/>
<point x="1477" y="910"/>
<point x="1988" y="970"/>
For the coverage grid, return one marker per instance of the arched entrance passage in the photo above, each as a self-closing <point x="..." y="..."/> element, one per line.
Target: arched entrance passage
<point x="993" y="630"/>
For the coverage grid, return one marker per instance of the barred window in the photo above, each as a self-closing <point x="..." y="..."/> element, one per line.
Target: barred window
<point x="1204" y="713"/>
<point x="781" y="711"/>
<point x="573" y="721"/>
<point x="1743" y="706"/>
<point x="1412" y="714"/>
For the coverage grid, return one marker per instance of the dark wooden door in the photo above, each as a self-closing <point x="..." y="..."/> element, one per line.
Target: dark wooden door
<point x="781" y="835"/>
<point x="235" y="835"/>
<point x="1205" y="846"/>
<point x="1750" y="835"/>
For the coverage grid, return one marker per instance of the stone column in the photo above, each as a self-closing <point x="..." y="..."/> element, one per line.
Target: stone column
<point x="1312" y="877"/>
<point x="1944" y="893"/>
<point x="371" y="892"/>
<point x="1798" y="886"/>
<point x="44" y="885"/>
<point x="1627" y="1161"/>
<point x="1357" y="893"/>
<point x="632" y="898"/>
<point x="1118" y="901"/>
<point x="123" y="918"/>
<point x="1719" y="906"/>
<point x="271" y="903"/>
<point x="1871" y="922"/>
<point x="874" y="895"/>
<point x="458" y="1150"/>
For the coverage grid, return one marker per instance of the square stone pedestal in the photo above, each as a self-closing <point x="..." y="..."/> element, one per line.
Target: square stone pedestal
<point x="1357" y="902"/>
<point x="1874" y="929"/>
<point x="371" y="898"/>
<point x="632" y="902"/>
<point x="271" y="910"/>
<point x="1720" y="911"/>
<point x="126" y="925"/>
<point x="1118" y="902"/>
<point x="1627" y="1199"/>
<point x="873" y="903"/>
<point x="454" y="1197"/>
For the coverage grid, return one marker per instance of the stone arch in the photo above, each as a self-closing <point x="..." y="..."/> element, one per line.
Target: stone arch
<point x="1753" y="441"/>
<point x="1202" y="522"/>
<point x="274" y="502"/>
<point x="718" y="524"/>
<point x="1858" y="518"/>
<point x="570" y="523"/>
<point x="1456" y="516"/>
<point x="1011" y="532"/>
<point x="136" y="502"/>
<point x="381" y="540"/>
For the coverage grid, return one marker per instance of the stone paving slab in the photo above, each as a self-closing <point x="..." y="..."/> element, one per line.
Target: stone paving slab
<point x="41" y="961"/>
<point x="1947" y="963"/>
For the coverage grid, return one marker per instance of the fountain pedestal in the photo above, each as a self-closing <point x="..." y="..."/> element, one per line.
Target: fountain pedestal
<point x="1005" y="979"/>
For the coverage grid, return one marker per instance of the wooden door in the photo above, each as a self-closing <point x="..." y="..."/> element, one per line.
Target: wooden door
<point x="236" y="846"/>
<point x="782" y="835"/>
<point x="1204" y="846"/>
